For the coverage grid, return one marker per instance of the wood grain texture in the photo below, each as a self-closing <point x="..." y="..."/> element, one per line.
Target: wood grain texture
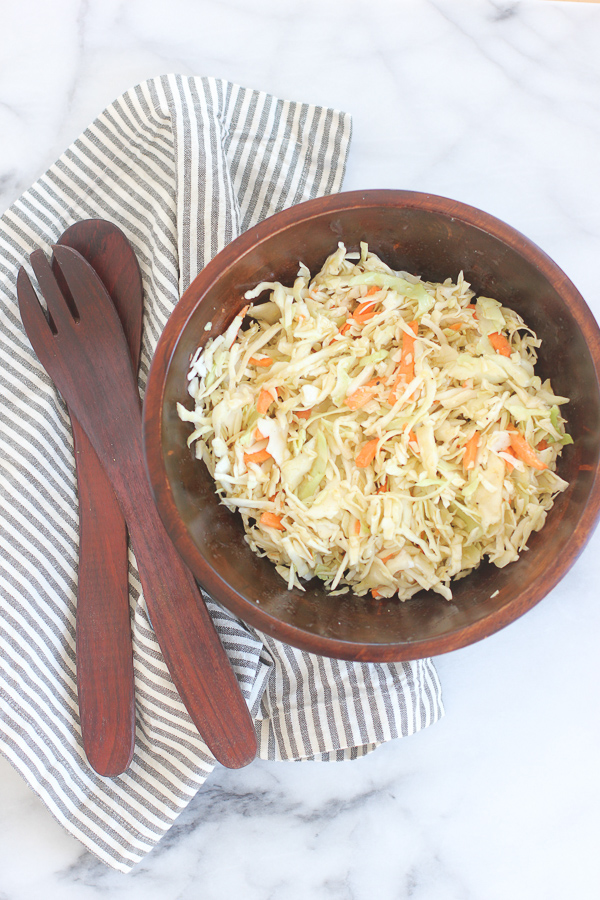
<point x="104" y="656"/>
<point x="433" y="237"/>
<point x="88" y="360"/>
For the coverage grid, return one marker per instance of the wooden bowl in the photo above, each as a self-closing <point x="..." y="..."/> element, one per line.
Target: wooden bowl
<point x="433" y="237"/>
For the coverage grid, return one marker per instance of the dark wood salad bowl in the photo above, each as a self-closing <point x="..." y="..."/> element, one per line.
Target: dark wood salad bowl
<point x="433" y="237"/>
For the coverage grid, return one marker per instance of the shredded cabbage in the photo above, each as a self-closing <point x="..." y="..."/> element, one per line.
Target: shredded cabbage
<point x="380" y="432"/>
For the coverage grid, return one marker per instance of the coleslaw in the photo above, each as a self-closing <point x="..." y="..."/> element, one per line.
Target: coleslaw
<point x="377" y="431"/>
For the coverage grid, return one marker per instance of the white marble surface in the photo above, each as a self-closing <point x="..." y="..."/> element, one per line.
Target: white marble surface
<point x="493" y="103"/>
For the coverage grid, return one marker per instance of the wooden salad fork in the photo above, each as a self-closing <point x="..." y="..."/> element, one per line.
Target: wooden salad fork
<point x="105" y="679"/>
<point x="83" y="348"/>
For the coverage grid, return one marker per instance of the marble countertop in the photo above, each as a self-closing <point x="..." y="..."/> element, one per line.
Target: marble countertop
<point x="492" y="102"/>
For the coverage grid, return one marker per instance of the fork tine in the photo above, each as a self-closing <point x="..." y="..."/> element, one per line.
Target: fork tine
<point x="37" y="328"/>
<point x="58" y="306"/>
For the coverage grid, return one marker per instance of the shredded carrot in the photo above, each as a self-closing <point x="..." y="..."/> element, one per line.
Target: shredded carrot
<point x="271" y="520"/>
<point x="474" y="308"/>
<point x="500" y="343"/>
<point x="362" y="395"/>
<point x="304" y="413"/>
<point x="265" y="398"/>
<point x="367" y="453"/>
<point x="524" y="451"/>
<point x="364" y="312"/>
<point x="393" y="394"/>
<point x="375" y="594"/>
<point x="457" y="326"/>
<point x="382" y="487"/>
<point x="259" y="457"/>
<point x="470" y="453"/>
<point x="363" y="307"/>
<point x="406" y="369"/>
<point x="407" y="362"/>
<point x="387" y="558"/>
<point x="361" y="318"/>
<point x="412" y="438"/>
<point x="357" y="527"/>
<point x="543" y="445"/>
<point x="256" y="434"/>
<point x="264" y="362"/>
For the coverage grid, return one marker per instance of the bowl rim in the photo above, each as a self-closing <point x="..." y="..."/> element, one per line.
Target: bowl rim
<point x="213" y="583"/>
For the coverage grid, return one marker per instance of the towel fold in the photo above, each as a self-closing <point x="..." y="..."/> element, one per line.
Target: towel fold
<point x="182" y="165"/>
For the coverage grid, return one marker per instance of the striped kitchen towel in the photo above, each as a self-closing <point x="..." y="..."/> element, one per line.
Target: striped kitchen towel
<point x="182" y="165"/>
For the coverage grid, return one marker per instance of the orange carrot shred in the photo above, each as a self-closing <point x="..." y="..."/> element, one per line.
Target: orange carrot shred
<point x="363" y="307"/>
<point x="412" y="437"/>
<point x="470" y="453"/>
<point x="357" y="527"/>
<point x="260" y="456"/>
<point x="359" y="398"/>
<point x="543" y="445"/>
<point x="388" y="557"/>
<point x="264" y="362"/>
<point x="500" y="343"/>
<point x="524" y="451"/>
<point x="362" y="395"/>
<point x="364" y="312"/>
<point x="256" y="434"/>
<point x="361" y="318"/>
<point x="457" y="326"/>
<point x="367" y="453"/>
<point x="265" y="398"/>
<point x="406" y="368"/>
<point x="375" y="594"/>
<point x="382" y="487"/>
<point x="271" y="520"/>
<point x="407" y="362"/>
<point x="393" y="394"/>
<point x="304" y="413"/>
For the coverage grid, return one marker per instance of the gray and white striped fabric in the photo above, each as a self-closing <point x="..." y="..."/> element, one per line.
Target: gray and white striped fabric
<point x="182" y="165"/>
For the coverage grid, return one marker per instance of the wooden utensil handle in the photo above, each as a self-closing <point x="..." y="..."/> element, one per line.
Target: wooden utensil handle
<point x="89" y="361"/>
<point x="105" y="682"/>
<point x="105" y="679"/>
<point x="187" y="636"/>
